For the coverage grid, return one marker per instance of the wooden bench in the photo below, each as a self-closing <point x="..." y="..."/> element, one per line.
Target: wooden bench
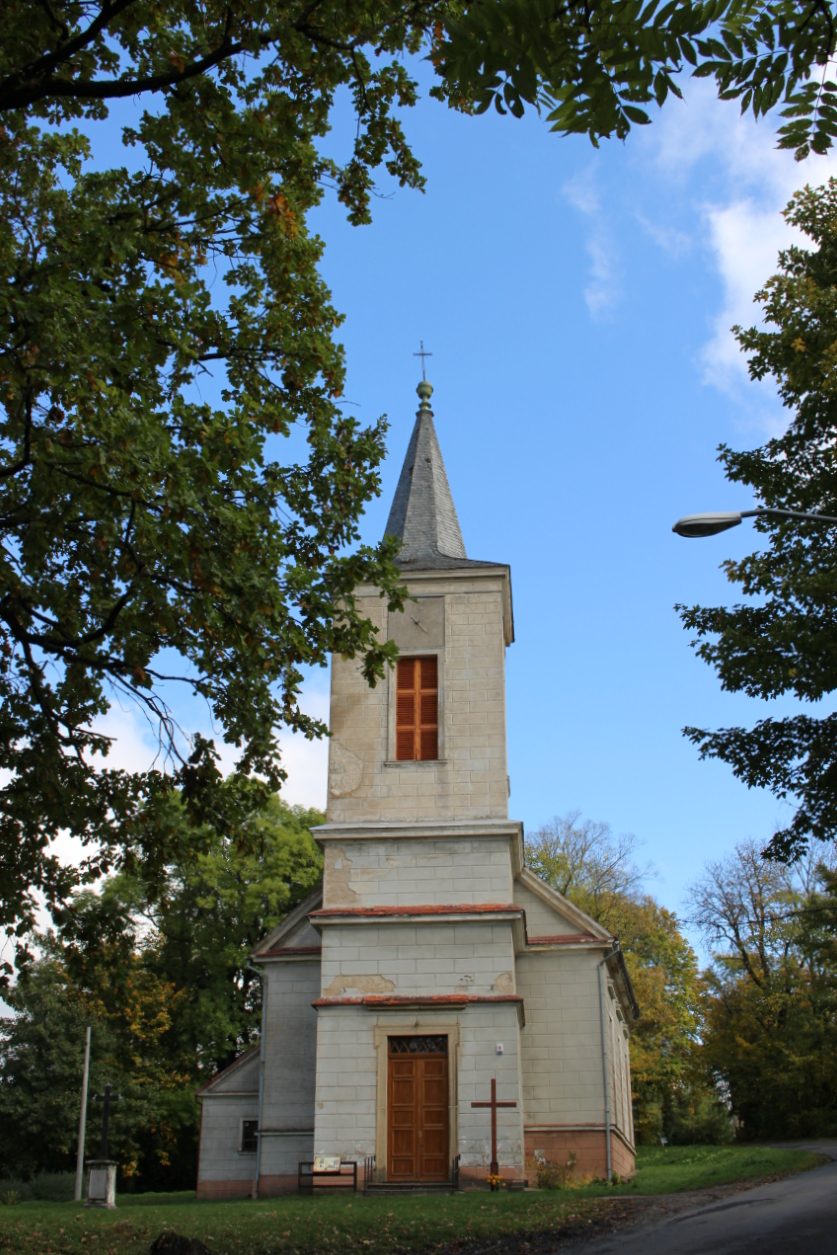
<point x="340" y="1174"/>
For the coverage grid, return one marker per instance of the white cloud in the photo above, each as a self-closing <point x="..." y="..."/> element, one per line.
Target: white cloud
<point x="745" y="241"/>
<point x="669" y="238"/>
<point x="306" y="762"/>
<point x="737" y="182"/>
<point x="582" y="193"/>
<point x="602" y="292"/>
<point x="134" y="746"/>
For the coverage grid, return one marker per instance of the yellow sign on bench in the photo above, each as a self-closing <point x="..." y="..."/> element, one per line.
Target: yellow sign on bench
<point x="327" y="1163"/>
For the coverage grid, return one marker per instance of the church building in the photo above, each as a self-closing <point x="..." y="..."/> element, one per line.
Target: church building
<point x="431" y="962"/>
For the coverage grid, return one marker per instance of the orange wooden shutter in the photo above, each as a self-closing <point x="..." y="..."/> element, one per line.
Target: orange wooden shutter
<point x="405" y="710"/>
<point x="427" y="732"/>
<point x="417" y="709"/>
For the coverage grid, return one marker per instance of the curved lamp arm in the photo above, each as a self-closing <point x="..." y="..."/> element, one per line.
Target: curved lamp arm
<point x="693" y="525"/>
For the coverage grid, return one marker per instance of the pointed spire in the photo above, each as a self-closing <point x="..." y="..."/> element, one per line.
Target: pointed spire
<point x="423" y="515"/>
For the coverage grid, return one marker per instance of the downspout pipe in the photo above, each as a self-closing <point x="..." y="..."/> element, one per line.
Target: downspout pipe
<point x="261" y="974"/>
<point x="605" y="1069"/>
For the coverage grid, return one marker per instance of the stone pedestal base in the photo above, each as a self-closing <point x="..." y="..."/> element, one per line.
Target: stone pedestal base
<point x="101" y="1183"/>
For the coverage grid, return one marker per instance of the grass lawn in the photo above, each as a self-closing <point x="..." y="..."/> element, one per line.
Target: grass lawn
<point x="373" y="1226"/>
<point x="663" y="1169"/>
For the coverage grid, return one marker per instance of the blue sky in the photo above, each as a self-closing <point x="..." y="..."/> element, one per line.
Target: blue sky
<point x="577" y="304"/>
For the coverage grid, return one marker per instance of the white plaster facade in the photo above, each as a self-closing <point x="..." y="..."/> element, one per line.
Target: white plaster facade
<point x="428" y="923"/>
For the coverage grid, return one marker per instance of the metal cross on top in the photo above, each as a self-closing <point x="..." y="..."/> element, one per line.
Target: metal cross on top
<point x="107" y="1100"/>
<point x="494" y="1104"/>
<point x="422" y="355"/>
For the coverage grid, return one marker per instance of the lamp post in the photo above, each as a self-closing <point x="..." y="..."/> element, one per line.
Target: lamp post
<point x="695" y="525"/>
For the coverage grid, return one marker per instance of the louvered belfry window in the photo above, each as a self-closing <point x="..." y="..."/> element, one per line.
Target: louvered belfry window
<point x="417" y="709"/>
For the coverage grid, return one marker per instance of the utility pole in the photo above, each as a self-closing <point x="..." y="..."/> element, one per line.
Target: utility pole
<point x="82" y="1121"/>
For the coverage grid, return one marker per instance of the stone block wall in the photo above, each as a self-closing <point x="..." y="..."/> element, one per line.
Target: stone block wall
<point x="425" y="872"/>
<point x="561" y="1046"/>
<point x="422" y="959"/>
<point x="619" y="1068"/>
<point x="470" y="778"/>
<point x="289" y="1074"/>
<point x="224" y="1171"/>
<point x="344" y="1120"/>
<point x="482" y="1028"/>
<point x="542" y="920"/>
<point x="561" y="1063"/>
<point x="622" y="1155"/>
<point x="281" y="1155"/>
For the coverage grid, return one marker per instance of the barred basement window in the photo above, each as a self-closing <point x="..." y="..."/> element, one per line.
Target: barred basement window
<point x="417" y="709"/>
<point x="249" y="1135"/>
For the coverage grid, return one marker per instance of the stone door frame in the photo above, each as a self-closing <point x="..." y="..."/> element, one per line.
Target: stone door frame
<point x="417" y="1027"/>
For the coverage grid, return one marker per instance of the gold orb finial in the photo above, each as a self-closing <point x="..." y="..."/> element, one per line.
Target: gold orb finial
<point x="425" y="391"/>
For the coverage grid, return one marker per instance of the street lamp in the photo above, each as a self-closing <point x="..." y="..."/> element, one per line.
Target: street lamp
<point x="693" y="525"/>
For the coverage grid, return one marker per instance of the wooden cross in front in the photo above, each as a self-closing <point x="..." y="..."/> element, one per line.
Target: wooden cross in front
<point x="494" y="1104"/>
<point x="107" y="1100"/>
<point x="422" y="355"/>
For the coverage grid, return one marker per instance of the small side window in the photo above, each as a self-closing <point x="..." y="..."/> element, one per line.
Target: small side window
<point x="249" y="1135"/>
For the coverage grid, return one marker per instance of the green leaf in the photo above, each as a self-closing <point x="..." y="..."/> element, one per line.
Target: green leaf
<point x="688" y="50"/>
<point x="733" y="43"/>
<point x="636" y="115"/>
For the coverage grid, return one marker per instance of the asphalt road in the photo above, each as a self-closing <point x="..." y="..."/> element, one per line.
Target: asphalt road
<point x="796" y="1215"/>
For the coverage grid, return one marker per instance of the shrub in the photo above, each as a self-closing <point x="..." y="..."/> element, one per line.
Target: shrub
<point x="52" y="1187"/>
<point x="701" y="1119"/>
<point x="554" y="1176"/>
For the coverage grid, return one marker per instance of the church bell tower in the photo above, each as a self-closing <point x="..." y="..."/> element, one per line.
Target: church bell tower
<point x="430" y="742"/>
<point x="419" y="1009"/>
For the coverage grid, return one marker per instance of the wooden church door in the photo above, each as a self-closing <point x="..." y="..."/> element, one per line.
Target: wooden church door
<point x="417" y="1109"/>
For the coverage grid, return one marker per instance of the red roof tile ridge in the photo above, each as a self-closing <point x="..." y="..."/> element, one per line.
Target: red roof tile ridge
<point x="565" y="939"/>
<point x="379" y="1000"/>
<point x="290" y="950"/>
<point x="455" y="908"/>
<point x="400" y="1000"/>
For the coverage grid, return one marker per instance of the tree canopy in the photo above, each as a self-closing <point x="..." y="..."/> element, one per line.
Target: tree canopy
<point x="592" y="68"/>
<point x="754" y="1036"/>
<point x="770" y="1007"/>
<point x="782" y="640"/>
<point x="168" y="991"/>
<point x="155" y="531"/>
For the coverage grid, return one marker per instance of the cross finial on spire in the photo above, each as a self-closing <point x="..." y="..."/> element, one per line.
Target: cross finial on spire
<point x="422" y="354"/>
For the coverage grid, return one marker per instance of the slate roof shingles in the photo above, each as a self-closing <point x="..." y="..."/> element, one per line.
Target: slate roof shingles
<point x="423" y="515"/>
